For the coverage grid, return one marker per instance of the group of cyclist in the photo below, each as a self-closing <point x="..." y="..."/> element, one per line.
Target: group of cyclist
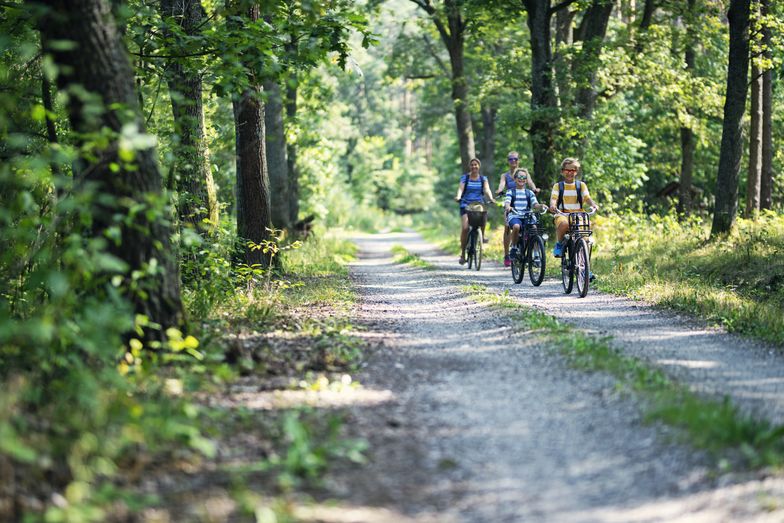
<point x="569" y="195"/>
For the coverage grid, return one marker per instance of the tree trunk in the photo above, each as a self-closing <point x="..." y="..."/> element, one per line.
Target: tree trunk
<point x="688" y="140"/>
<point x="99" y="65"/>
<point x="276" y="155"/>
<point x="488" y="139"/>
<point x="564" y="37"/>
<point x="453" y="36"/>
<point x="191" y="173"/>
<point x="591" y="32"/>
<point x="726" y="191"/>
<point x="544" y="104"/>
<point x="755" y="145"/>
<point x="465" y="133"/>
<point x="291" y="150"/>
<point x="766" y="182"/>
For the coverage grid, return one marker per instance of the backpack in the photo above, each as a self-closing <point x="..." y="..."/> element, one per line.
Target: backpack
<point x="527" y="197"/>
<point x="561" y="184"/>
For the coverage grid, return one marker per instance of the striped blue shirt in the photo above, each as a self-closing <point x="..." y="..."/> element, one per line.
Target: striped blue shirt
<point x="474" y="190"/>
<point x="520" y="201"/>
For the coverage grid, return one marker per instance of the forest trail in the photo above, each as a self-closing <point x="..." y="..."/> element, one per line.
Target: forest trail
<point x="485" y="424"/>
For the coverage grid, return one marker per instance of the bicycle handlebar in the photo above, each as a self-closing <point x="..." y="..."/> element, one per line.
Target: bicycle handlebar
<point x="589" y="213"/>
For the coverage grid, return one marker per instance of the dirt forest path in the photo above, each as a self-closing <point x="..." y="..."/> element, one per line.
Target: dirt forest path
<point x="482" y="424"/>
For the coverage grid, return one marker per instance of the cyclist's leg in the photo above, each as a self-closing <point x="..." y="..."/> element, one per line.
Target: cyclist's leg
<point x="463" y="232"/>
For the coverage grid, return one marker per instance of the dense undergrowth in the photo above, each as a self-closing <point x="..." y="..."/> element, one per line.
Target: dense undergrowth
<point x="82" y="428"/>
<point x="736" y="281"/>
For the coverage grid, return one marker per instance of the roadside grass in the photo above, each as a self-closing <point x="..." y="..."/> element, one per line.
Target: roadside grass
<point x="717" y="426"/>
<point x="736" y="281"/>
<point x="404" y="256"/>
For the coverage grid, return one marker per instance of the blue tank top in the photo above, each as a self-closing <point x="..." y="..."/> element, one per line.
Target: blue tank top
<point x="509" y="180"/>
<point x="474" y="190"/>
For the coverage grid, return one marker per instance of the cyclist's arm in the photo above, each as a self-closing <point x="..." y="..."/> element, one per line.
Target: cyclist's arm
<point x="532" y="185"/>
<point x="460" y="189"/>
<point x="501" y="185"/>
<point x="487" y="191"/>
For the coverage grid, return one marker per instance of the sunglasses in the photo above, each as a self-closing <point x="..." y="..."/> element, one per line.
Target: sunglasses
<point x="568" y="170"/>
<point x="512" y="159"/>
<point x="520" y="177"/>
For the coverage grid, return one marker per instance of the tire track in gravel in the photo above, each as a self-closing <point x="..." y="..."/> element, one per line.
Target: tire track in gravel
<point x="484" y="424"/>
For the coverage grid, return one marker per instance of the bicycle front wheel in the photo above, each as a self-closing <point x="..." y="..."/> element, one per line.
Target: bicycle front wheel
<point x="567" y="268"/>
<point x="582" y="267"/>
<point x="536" y="261"/>
<point x="478" y="249"/>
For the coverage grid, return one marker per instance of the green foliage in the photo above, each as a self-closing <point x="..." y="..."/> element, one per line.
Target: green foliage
<point x="736" y="281"/>
<point x="402" y="255"/>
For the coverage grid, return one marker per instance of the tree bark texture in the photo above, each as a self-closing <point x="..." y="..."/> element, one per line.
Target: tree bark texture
<point x="591" y="32"/>
<point x="766" y="182"/>
<point x="488" y="138"/>
<point x="277" y="166"/>
<point x="564" y="37"/>
<point x="726" y="191"/>
<point x="544" y="105"/>
<point x="99" y="64"/>
<point x="291" y="151"/>
<point x="197" y="195"/>
<point x="688" y="139"/>
<point x="755" y="145"/>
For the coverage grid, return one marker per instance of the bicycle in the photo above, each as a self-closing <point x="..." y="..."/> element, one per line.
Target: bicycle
<point x="576" y="256"/>
<point x="530" y="251"/>
<point x="477" y="217"/>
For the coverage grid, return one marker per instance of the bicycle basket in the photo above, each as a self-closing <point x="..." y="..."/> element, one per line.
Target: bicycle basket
<point x="580" y="223"/>
<point x="476" y="218"/>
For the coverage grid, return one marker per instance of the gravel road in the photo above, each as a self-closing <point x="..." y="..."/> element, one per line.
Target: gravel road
<point x="480" y="423"/>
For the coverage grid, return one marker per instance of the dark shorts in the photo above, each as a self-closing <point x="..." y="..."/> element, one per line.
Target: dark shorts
<point x="463" y="210"/>
<point x="515" y="221"/>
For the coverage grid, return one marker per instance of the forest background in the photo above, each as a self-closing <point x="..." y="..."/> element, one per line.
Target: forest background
<point x="163" y="162"/>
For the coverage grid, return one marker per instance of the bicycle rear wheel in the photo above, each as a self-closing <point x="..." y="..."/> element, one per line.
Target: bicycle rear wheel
<point x="478" y="249"/>
<point x="536" y="260"/>
<point x="471" y="247"/>
<point x="518" y="266"/>
<point x="582" y="267"/>
<point x="567" y="268"/>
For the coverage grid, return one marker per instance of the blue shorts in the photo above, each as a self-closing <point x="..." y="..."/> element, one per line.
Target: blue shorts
<point x="463" y="210"/>
<point x="515" y="221"/>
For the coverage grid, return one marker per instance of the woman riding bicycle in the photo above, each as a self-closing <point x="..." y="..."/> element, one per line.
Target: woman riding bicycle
<point x="471" y="190"/>
<point x="519" y="200"/>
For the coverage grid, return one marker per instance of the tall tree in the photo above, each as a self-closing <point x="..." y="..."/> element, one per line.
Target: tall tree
<point x="277" y="165"/>
<point x="254" y="217"/>
<point x="95" y="66"/>
<point x="197" y="197"/>
<point x="726" y="191"/>
<point x="688" y="140"/>
<point x="544" y="103"/>
<point x="291" y="148"/>
<point x="766" y="175"/>
<point x="451" y="26"/>
<point x="591" y="32"/>
<point x="755" y="144"/>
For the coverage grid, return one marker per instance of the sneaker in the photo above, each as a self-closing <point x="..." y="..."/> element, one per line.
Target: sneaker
<point x="558" y="250"/>
<point x="507" y="261"/>
<point x="536" y="262"/>
<point x="591" y="277"/>
<point x="462" y="260"/>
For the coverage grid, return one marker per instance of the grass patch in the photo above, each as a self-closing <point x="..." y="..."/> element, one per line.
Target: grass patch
<point x="403" y="255"/>
<point x="717" y="426"/>
<point x="736" y="281"/>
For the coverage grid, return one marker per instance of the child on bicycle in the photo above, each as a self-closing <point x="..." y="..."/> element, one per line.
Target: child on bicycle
<point x="568" y="196"/>
<point x="506" y="182"/>
<point x="519" y="200"/>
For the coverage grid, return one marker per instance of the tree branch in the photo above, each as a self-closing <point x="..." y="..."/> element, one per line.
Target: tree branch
<point x="557" y="7"/>
<point x="433" y="53"/>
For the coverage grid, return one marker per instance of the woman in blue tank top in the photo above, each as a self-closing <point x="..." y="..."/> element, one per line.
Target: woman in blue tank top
<point x="473" y="187"/>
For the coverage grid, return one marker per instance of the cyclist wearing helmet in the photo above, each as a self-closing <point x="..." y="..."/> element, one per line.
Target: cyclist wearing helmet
<point x="472" y="188"/>
<point x="506" y="182"/>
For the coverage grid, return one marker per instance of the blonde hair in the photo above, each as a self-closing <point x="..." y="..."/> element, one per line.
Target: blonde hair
<point x="510" y="153"/>
<point x="570" y="161"/>
<point x="521" y="170"/>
